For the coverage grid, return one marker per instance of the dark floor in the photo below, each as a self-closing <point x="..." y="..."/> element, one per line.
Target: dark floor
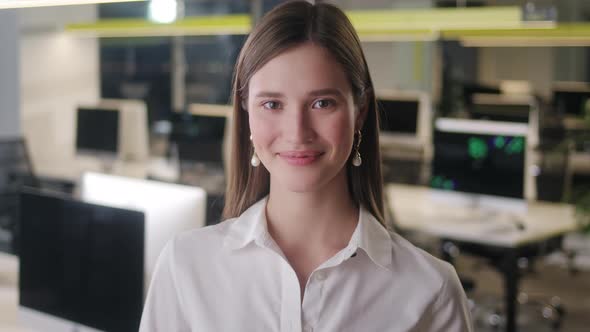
<point x="547" y="280"/>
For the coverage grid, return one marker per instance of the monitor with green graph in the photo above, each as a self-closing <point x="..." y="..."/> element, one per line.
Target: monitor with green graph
<point x="480" y="157"/>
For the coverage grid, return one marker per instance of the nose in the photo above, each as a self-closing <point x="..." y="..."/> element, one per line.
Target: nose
<point x="298" y="126"/>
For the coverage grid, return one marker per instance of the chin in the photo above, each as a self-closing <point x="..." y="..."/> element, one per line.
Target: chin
<point x="304" y="183"/>
<point x="300" y="186"/>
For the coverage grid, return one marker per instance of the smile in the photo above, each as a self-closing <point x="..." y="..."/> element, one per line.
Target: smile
<point x="300" y="158"/>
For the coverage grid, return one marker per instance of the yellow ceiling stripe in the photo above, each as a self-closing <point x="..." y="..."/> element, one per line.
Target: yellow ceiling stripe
<point x="488" y="25"/>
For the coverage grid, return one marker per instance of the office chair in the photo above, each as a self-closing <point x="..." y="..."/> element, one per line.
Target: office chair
<point x="549" y="308"/>
<point x="16" y="172"/>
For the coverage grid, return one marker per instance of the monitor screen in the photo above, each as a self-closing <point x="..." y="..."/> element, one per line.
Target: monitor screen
<point x="169" y="208"/>
<point x="398" y="116"/>
<point x="97" y="130"/>
<point x="501" y="112"/>
<point x="570" y="102"/>
<point x="199" y="138"/>
<point x="473" y="88"/>
<point x="485" y="164"/>
<point x="82" y="262"/>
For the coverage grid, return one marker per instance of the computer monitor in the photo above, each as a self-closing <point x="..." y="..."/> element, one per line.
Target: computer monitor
<point x="484" y="160"/>
<point x="169" y="208"/>
<point x="199" y="138"/>
<point x="97" y="131"/>
<point x="405" y="123"/>
<point x="134" y="133"/>
<point x="117" y="128"/>
<point x="507" y="108"/>
<point x="570" y="98"/>
<point x="200" y="134"/>
<point x="81" y="265"/>
<point x="398" y="115"/>
<point x="470" y="89"/>
<point x="405" y="113"/>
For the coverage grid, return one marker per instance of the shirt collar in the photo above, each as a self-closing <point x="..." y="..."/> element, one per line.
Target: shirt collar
<point x="369" y="235"/>
<point x="373" y="239"/>
<point x="249" y="227"/>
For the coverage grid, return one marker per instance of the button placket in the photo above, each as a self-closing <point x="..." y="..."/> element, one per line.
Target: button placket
<point x="312" y="301"/>
<point x="290" y="300"/>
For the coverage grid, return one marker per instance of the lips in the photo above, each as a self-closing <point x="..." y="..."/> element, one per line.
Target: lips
<point x="300" y="158"/>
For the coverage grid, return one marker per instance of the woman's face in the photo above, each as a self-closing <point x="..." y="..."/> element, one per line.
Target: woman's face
<point x="302" y="118"/>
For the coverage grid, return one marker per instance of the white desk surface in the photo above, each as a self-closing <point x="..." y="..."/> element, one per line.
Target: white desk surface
<point x="72" y="169"/>
<point x="414" y="209"/>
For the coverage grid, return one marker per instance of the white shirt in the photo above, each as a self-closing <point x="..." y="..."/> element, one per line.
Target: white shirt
<point x="233" y="277"/>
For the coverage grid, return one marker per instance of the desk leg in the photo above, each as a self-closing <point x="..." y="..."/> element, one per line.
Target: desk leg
<point x="511" y="280"/>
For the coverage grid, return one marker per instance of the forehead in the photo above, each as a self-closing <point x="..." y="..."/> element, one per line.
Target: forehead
<point x="303" y="68"/>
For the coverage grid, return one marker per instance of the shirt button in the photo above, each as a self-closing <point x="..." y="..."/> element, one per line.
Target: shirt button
<point x="320" y="276"/>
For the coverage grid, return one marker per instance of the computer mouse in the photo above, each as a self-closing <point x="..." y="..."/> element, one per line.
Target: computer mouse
<point x="520" y="225"/>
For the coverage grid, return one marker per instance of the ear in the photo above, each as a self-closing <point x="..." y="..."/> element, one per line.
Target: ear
<point x="361" y="115"/>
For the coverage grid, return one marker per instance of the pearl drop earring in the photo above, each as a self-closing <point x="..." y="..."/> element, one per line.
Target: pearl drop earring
<point x="255" y="161"/>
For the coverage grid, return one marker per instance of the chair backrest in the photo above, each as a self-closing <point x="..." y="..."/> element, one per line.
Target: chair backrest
<point x="15" y="166"/>
<point x="16" y="172"/>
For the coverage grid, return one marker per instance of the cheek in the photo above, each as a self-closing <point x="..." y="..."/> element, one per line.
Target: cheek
<point x="341" y="133"/>
<point x="262" y="131"/>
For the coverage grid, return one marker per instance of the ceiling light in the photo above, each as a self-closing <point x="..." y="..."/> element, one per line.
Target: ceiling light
<point x="163" y="11"/>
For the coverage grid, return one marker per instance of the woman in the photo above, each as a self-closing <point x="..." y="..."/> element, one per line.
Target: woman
<point x="304" y="246"/>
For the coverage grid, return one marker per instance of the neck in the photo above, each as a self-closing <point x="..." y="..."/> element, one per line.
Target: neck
<point x="322" y="220"/>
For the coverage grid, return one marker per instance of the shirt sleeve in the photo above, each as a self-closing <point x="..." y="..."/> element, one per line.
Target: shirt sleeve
<point x="162" y="311"/>
<point x="450" y="311"/>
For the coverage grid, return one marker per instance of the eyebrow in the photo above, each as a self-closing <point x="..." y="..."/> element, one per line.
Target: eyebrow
<point x="315" y="93"/>
<point x="328" y="91"/>
<point x="268" y="94"/>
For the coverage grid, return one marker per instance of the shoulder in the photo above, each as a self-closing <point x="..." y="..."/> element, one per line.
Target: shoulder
<point x="420" y="265"/>
<point x="214" y="244"/>
<point x="198" y="243"/>
<point x="439" y="284"/>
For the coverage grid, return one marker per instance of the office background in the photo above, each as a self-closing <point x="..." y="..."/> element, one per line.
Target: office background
<point x="48" y="69"/>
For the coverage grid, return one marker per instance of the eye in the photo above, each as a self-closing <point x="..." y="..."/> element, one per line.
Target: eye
<point x="323" y="103"/>
<point x="271" y="105"/>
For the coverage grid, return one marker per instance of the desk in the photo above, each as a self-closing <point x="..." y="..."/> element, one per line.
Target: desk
<point x="211" y="180"/>
<point x="72" y="169"/>
<point x="501" y="242"/>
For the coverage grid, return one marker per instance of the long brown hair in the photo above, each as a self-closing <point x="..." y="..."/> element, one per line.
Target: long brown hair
<point x="286" y="26"/>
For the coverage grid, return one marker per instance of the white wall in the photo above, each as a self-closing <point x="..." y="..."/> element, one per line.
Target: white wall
<point x="398" y="65"/>
<point x="533" y="64"/>
<point x="57" y="72"/>
<point x="540" y="65"/>
<point x="9" y="77"/>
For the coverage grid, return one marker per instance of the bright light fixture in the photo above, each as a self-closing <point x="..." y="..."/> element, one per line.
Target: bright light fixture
<point x="525" y="41"/>
<point x="163" y="11"/>
<point x="4" y="4"/>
